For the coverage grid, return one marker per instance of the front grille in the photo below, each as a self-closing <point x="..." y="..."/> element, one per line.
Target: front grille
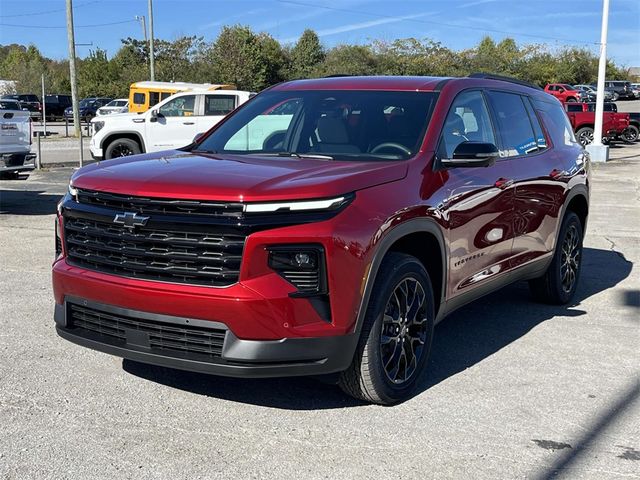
<point x="174" y="339"/>
<point x="157" y="206"/>
<point x="179" y="255"/>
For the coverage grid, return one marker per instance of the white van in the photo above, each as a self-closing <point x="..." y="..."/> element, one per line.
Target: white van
<point x="172" y="123"/>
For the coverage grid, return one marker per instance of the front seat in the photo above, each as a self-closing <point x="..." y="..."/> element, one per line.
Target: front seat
<point x="333" y="137"/>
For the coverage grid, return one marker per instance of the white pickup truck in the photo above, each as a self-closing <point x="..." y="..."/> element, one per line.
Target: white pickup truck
<point x="172" y="123"/>
<point x="15" y="140"/>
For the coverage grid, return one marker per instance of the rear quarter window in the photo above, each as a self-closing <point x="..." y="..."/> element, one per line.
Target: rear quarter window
<point x="556" y="122"/>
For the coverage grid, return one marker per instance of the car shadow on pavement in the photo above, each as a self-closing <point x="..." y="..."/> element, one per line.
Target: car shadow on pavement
<point x="467" y="337"/>
<point x="28" y="202"/>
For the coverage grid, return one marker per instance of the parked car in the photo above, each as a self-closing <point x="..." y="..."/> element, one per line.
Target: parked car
<point x="15" y="139"/>
<point x="317" y="230"/>
<point x="621" y="89"/>
<point x="591" y="93"/>
<point x="87" y="108"/>
<point x="10" y="104"/>
<point x="582" y="117"/>
<point x="172" y="123"/>
<point x="635" y="89"/>
<point x="564" y="92"/>
<point x="29" y="101"/>
<point x="56" y="105"/>
<point x="119" y="105"/>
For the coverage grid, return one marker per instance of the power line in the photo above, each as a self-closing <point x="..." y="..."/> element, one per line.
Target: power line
<point x="48" y="11"/>
<point x="77" y="26"/>
<point x="431" y="22"/>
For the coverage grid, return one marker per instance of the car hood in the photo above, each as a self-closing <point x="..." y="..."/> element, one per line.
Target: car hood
<point x="183" y="175"/>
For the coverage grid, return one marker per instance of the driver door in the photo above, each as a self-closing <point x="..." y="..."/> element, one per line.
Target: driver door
<point x="479" y="204"/>
<point x="175" y="125"/>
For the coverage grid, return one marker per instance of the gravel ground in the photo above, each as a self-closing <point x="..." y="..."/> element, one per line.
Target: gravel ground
<point x="515" y="389"/>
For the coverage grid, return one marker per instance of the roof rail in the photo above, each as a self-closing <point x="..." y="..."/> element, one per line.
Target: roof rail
<point x="492" y="76"/>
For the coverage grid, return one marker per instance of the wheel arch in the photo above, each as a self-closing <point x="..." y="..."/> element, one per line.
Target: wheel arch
<point x="131" y="135"/>
<point x="419" y="238"/>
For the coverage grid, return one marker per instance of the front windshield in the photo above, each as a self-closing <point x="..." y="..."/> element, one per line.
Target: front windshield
<point x="337" y="124"/>
<point x="86" y="103"/>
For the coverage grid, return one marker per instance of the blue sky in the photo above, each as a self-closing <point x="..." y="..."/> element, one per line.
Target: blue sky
<point x="455" y="23"/>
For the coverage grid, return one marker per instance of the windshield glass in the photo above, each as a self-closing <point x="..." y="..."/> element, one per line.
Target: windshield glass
<point x="337" y="124"/>
<point x="86" y="103"/>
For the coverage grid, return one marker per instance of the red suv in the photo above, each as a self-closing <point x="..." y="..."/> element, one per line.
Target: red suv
<point x="564" y="92"/>
<point x="324" y="227"/>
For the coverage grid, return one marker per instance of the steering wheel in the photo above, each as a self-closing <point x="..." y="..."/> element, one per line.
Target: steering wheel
<point x="399" y="146"/>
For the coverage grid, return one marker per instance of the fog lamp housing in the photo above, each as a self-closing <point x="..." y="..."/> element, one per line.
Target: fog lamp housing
<point x="303" y="266"/>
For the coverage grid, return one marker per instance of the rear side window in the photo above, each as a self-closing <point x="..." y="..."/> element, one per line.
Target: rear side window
<point x="556" y="121"/>
<point x="541" y="141"/>
<point x="139" y="98"/>
<point x="514" y="124"/>
<point x="573" y="107"/>
<point x="219" y="104"/>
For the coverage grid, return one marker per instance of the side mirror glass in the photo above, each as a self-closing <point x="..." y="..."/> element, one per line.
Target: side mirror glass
<point x="472" y="154"/>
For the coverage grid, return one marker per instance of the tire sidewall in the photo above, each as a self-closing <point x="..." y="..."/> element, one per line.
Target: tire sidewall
<point x="130" y="143"/>
<point x="384" y="287"/>
<point x="556" y="277"/>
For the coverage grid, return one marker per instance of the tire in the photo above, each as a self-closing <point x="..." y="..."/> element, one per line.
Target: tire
<point x="387" y="336"/>
<point x="121" y="147"/>
<point x="630" y="134"/>
<point x="585" y="136"/>
<point x="571" y="100"/>
<point x="615" y="97"/>
<point x="559" y="283"/>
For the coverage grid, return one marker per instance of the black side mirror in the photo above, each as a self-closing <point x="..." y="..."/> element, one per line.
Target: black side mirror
<point x="472" y="154"/>
<point x="153" y="116"/>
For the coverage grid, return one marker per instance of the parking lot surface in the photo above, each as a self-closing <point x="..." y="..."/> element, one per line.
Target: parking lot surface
<point x="515" y="389"/>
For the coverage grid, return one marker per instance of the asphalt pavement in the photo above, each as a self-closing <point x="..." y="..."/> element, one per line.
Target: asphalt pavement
<point x="515" y="389"/>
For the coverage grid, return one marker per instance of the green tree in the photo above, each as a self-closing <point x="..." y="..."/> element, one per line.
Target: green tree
<point x="306" y="55"/>
<point x="349" y="60"/>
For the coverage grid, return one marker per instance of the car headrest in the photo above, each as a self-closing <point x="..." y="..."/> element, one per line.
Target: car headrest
<point x="332" y="130"/>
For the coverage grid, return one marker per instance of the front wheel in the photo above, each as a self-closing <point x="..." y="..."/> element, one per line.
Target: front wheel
<point x="630" y="134"/>
<point x="396" y="335"/>
<point x="122" y="147"/>
<point x="585" y="136"/>
<point x="559" y="283"/>
<point x="571" y="100"/>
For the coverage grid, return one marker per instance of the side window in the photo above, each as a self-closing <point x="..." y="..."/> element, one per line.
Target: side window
<point x="165" y="95"/>
<point x="139" y="98"/>
<point x="541" y="141"/>
<point x="178" y="107"/>
<point x="154" y="98"/>
<point x="514" y="125"/>
<point x="468" y="120"/>
<point x="556" y="121"/>
<point x="574" y="108"/>
<point x="219" y="104"/>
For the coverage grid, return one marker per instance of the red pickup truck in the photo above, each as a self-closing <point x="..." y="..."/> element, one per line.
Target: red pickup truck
<point x="583" y="121"/>
<point x="563" y="92"/>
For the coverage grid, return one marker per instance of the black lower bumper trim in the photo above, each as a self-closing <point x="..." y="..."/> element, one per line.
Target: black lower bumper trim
<point x="240" y="358"/>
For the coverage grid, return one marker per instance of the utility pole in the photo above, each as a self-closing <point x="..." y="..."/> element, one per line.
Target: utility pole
<point x="597" y="151"/>
<point x="44" y="107"/>
<point x="143" y="23"/>
<point x="72" y="75"/>
<point x="152" y="69"/>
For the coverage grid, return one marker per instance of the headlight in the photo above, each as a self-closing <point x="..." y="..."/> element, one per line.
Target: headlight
<point x="299" y="206"/>
<point x="97" y="126"/>
<point x="73" y="192"/>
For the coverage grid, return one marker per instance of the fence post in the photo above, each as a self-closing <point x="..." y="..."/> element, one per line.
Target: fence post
<point x="39" y="158"/>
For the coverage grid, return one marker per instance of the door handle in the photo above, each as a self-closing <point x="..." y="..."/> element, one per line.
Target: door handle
<point x="188" y="123"/>
<point x="503" y="183"/>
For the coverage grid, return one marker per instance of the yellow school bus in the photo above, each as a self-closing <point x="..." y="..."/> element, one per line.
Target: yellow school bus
<point x="144" y="95"/>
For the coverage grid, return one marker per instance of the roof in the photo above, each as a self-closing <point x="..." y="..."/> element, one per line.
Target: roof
<point x="181" y="85"/>
<point x="364" y="83"/>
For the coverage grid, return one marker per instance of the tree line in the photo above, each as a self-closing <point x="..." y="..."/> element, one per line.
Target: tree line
<point x="253" y="61"/>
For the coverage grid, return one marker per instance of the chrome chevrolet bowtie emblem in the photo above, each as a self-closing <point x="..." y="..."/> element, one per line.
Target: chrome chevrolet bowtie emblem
<point x="130" y="219"/>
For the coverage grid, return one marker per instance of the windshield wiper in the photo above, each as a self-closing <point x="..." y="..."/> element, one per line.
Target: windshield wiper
<point x="299" y="155"/>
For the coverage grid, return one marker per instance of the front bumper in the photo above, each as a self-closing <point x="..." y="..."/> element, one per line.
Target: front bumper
<point x="8" y="164"/>
<point x="238" y="358"/>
